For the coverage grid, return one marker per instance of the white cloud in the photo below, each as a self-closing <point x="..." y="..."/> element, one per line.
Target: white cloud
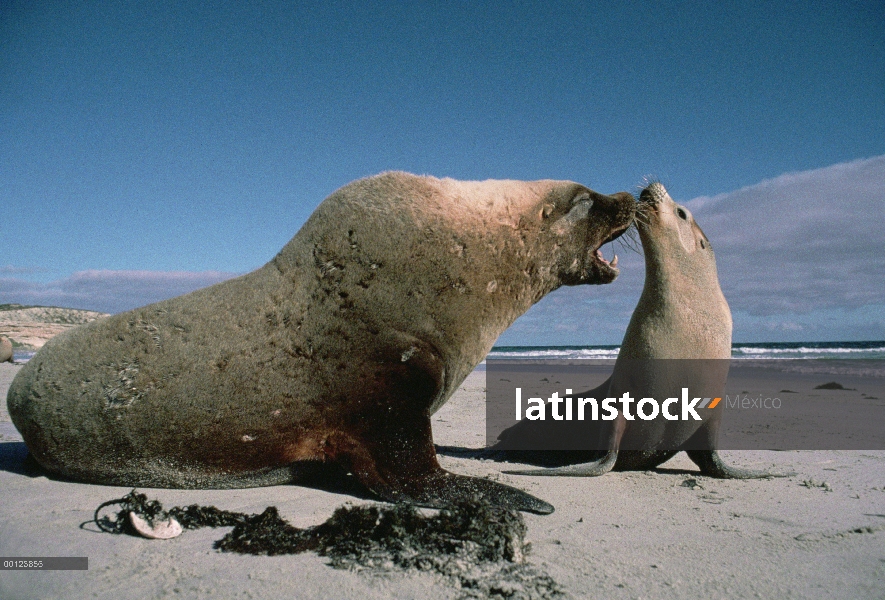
<point x="108" y="291"/>
<point x="801" y="257"/>
<point x="801" y="242"/>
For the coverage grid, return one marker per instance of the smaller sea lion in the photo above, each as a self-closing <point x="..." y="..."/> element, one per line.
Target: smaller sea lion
<point x="681" y="314"/>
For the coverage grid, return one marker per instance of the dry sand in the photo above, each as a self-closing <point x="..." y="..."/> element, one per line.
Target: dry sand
<point x="623" y="535"/>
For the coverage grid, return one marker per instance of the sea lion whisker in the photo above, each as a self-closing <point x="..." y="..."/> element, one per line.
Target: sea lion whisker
<point x="648" y="181"/>
<point x="629" y="241"/>
<point x="641" y="215"/>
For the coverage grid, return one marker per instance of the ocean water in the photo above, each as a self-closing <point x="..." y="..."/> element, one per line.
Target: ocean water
<point x="756" y="351"/>
<point x="22" y="356"/>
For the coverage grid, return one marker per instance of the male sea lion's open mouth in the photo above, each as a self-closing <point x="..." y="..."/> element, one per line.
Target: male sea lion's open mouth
<point x="610" y="217"/>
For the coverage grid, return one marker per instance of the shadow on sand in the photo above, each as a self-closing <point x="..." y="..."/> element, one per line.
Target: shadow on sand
<point x="15" y="458"/>
<point x="547" y="458"/>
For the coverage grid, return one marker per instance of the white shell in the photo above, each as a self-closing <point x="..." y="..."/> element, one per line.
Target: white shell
<point x="162" y="530"/>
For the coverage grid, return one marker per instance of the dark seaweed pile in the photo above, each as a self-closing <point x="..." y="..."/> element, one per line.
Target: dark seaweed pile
<point x="476" y="546"/>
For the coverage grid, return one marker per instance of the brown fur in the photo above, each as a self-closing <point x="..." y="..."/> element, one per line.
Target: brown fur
<point x="339" y="349"/>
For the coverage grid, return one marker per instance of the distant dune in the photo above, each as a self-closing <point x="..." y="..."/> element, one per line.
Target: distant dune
<point x="29" y="327"/>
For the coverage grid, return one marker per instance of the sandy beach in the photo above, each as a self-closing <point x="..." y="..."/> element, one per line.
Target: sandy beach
<point x="661" y="534"/>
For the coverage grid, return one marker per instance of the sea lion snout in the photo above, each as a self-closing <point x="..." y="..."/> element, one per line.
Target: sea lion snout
<point x="652" y="194"/>
<point x="622" y="207"/>
<point x="619" y="207"/>
<point x="655" y="198"/>
<point x="658" y="210"/>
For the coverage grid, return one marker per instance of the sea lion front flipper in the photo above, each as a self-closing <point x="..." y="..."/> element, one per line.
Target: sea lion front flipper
<point x="589" y="469"/>
<point x="612" y="436"/>
<point x="440" y="488"/>
<point x="712" y="465"/>
<point x="399" y="464"/>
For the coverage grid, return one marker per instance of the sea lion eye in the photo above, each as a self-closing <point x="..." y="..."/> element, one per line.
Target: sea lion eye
<point x="582" y="197"/>
<point x="681" y="214"/>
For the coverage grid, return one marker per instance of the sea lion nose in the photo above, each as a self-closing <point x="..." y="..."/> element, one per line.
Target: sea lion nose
<point x="653" y="194"/>
<point x="613" y="203"/>
<point x="621" y="206"/>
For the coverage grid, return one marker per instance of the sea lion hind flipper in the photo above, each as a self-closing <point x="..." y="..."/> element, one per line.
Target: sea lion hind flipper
<point x="588" y="469"/>
<point x="712" y="465"/>
<point x="402" y="467"/>
<point x="440" y="488"/>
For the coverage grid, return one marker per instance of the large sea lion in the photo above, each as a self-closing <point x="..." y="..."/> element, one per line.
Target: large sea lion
<point x="339" y="349"/>
<point x="679" y="336"/>
<point x="5" y="350"/>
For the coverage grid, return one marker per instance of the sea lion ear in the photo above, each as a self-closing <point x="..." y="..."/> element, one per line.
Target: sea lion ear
<point x="580" y="210"/>
<point x="702" y="238"/>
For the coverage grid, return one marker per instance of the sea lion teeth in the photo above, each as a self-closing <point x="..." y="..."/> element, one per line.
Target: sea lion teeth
<point x="613" y="263"/>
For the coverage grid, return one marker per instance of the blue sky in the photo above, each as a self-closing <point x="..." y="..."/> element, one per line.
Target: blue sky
<point x="148" y="149"/>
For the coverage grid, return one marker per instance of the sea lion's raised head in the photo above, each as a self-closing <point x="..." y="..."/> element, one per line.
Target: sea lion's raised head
<point x="661" y="211"/>
<point x="669" y="232"/>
